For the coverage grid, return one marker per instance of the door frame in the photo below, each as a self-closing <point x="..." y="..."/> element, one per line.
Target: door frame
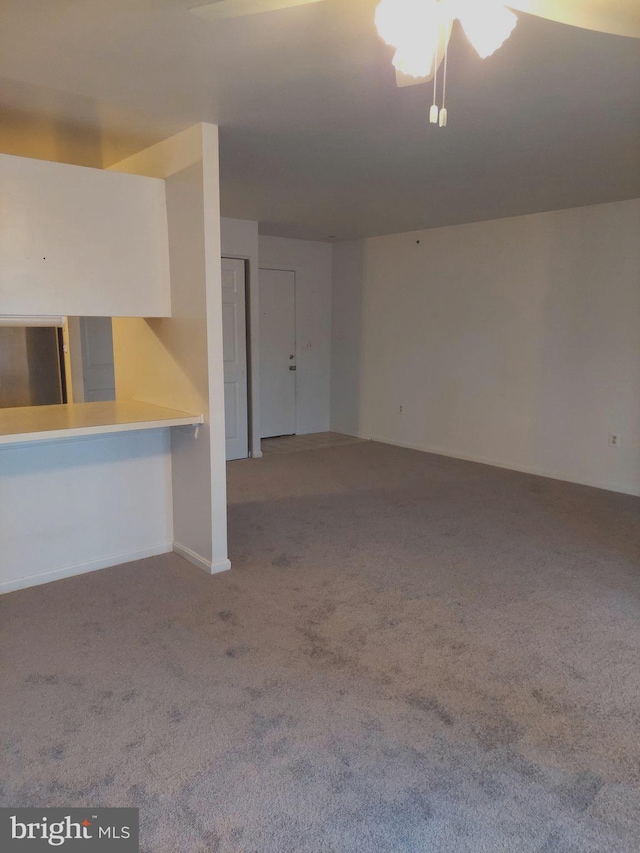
<point x="252" y="307"/>
<point x="243" y="262"/>
<point x="252" y="377"/>
<point x="285" y="268"/>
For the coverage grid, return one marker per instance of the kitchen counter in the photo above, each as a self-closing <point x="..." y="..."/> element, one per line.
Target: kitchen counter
<point x="46" y="423"/>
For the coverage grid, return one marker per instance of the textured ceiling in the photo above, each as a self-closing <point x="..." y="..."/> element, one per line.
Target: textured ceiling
<point x="316" y="140"/>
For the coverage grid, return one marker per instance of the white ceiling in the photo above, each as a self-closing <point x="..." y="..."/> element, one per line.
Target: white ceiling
<point x="316" y="139"/>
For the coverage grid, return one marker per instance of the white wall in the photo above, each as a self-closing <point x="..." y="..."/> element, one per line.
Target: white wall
<point x="178" y="362"/>
<point x="81" y="504"/>
<point x="514" y="342"/>
<point x="81" y="242"/>
<point x="346" y="340"/>
<point x="311" y="262"/>
<point x="213" y="287"/>
<point x="14" y="367"/>
<point x="239" y="239"/>
<point x="77" y="505"/>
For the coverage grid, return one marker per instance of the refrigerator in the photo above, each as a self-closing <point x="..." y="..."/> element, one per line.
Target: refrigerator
<point x="31" y="366"/>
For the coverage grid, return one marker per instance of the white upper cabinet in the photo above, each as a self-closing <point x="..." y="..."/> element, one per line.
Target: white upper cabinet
<point x="81" y="242"/>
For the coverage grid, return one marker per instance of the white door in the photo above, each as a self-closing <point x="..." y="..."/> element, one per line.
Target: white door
<point x="277" y="353"/>
<point x="98" y="377"/>
<point x="234" y="341"/>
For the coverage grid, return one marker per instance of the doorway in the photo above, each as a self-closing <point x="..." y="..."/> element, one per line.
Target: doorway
<point x="277" y="353"/>
<point x="88" y="359"/>
<point x="98" y="372"/>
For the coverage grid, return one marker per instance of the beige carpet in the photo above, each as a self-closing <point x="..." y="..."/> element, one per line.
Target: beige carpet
<point x="411" y="653"/>
<point x="311" y="441"/>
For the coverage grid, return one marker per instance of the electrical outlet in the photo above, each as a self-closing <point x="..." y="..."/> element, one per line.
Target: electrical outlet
<point x="401" y="409"/>
<point x="614" y="440"/>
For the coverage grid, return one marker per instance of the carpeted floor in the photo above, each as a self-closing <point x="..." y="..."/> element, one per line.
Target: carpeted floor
<point x="312" y="441"/>
<point x="411" y="653"/>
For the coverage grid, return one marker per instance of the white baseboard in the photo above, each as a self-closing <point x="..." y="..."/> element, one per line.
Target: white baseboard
<point x="609" y="487"/>
<point x="353" y="434"/>
<point x="199" y="561"/>
<point x="222" y="566"/>
<point x="84" y="568"/>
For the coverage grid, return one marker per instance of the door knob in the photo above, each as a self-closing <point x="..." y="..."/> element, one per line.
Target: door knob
<point x="292" y="367"/>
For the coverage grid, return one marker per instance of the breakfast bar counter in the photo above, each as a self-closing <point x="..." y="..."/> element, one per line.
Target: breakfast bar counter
<point x="46" y="423"/>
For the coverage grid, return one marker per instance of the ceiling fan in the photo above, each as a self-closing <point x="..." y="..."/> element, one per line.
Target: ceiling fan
<point x="420" y="29"/>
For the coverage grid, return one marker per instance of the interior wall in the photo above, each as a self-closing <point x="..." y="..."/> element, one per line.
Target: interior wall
<point x="77" y="505"/>
<point x="177" y="362"/>
<point x="73" y="360"/>
<point x="239" y="239"/>
<point x="81" y="504"/>
<point x="346" y="336"/>
<point x="15" y="387"/>
<point x="215" y="353"/>
<point x="514" y="342"/>
<point x="43" y="359"/>
<point x="311" y="262"/>
<point x="81" y="242"/>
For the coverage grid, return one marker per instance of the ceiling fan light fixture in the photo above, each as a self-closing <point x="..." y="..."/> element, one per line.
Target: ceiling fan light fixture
<point x="420" y="32"/>
<point x="414" y="25"/>
<point x="414" y="64"/>
<point x="416" y="56"/>
<point x="487" y="25"/>
<point x="401" y="22"/>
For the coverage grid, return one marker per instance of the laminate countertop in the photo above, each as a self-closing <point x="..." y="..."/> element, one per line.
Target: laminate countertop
<point x="71" y="420"/>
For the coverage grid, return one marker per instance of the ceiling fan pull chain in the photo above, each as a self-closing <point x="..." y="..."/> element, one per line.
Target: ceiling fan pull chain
<point x="443" y="112"/>
<point x="433" y="114"/>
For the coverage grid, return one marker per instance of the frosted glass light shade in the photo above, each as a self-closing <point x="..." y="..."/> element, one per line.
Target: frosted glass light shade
<point x="398" y="21"/>
<point x="487" y="24"/>
<point x="415" y="56"/>
<point x="413" y="27"/>
<point x="415" y="64"/>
